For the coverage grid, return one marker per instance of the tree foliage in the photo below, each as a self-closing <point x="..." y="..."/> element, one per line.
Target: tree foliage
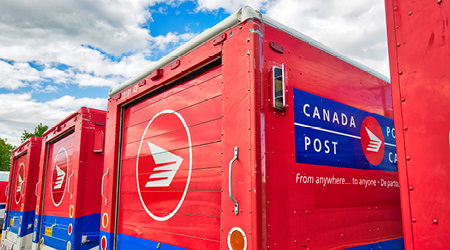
<point x="5" y="154"/>
<point x="38" y="131"/>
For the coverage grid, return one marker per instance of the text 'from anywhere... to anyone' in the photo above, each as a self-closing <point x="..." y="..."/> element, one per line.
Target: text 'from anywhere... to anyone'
<point x="321" y="180"/>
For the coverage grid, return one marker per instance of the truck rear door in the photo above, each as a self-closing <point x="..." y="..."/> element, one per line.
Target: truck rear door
<point x="170" y="166"/>
<point x="15" y="207"/>
<point x="57" y="199"/>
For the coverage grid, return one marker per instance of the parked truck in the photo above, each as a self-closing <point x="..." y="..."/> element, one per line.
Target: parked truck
<point x="251" y="136"/>
<point x="68" y="191"/>
<point x="419" y="54"/>
<point x="21" y="197"/>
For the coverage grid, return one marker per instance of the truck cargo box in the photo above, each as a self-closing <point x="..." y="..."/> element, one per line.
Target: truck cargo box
<point x="251" y="136"/>
<point x="419" y="54"/>
<point x="21" y="195"/>
<point x="68" y="203"/>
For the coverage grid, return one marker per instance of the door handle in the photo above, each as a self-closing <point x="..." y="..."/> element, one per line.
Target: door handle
<point x="103" y="180"/>
<point x="236" y="206"/>
<point x="68" y="184"/>
<point x="35" y="190"/>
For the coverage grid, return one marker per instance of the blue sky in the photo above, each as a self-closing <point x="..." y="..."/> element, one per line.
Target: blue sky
<point x="58" y="56"/>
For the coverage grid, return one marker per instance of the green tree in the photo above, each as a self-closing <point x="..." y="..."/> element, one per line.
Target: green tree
<point x="5" y="154"/>
<point x="38" y="131"/>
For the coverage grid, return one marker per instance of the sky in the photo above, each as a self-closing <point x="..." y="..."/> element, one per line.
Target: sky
<point x="57" y="56"/>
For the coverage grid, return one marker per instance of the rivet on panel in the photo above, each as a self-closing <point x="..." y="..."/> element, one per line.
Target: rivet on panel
<point x="405" y="128"/>
<point x="400" y="72"/>
<point x="439" y="1"/>
<point x="295" y="212"/>
<point x="414" y="220"/>
<point x="411" y="188"/>
<point x="342" y="235"/>
<point x="307" y="240"/>
<point x="403" y="100"/>
<point x="295" y="241"/>
<point x="435" y="221"/>
<point x="410" y="13"/>
<point x="397" y="27"/>
<point x="395" y="9"/>
<point x="408" y="158"/>
<point x="398" y="44"/>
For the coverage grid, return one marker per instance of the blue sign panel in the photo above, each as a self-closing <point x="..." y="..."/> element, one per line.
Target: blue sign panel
<point x="330" y="133"/>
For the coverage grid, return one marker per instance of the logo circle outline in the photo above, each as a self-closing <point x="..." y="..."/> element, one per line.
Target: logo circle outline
<point x="21" y="166"/>
<point x="65" y="177"/>
<point x="171" y="214"/>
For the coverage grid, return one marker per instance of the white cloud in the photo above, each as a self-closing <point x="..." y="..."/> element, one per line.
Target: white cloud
<point x="161" y="42"/>
<point x="53" y="33"/>
<point x="356" y="29"/>
<point x="19" y="112"/>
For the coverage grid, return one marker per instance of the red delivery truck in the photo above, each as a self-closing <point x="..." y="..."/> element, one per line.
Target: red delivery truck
<point x="4" y="181"/>
<point x="251" y="136"/>
<point x="418" y="33"/>
<point x="21" y="195"/>
<point x="68" y="203"/>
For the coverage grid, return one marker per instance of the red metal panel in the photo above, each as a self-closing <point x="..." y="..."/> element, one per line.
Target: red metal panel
<point x="418" y="33"/>
<point x="237" y="129"/>
<point x="178" y="129"/>
<point x="322" y="216"/>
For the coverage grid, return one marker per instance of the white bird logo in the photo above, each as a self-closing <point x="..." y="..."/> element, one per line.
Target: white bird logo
<point x="19" y="185"/>
<point x="375" y="142"/>
<point x="61" y="174"/>
<point x="169" y="164"/>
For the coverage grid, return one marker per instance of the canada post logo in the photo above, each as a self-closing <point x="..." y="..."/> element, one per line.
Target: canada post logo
<point x="372" y="140"/>
<point x="59" y="176"/>
<point x="19" y="183"/>
<point x="164" y="164"/>
<point x="330" y="133"/>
